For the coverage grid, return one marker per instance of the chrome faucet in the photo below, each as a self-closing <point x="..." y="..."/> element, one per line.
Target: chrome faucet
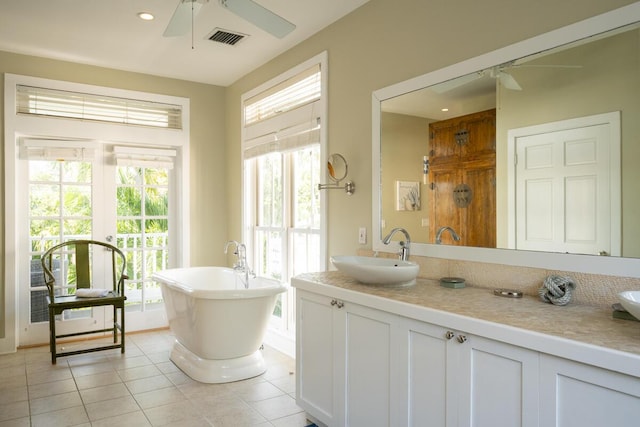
<point x="241" y="264"/>
<point x="442" y="230"/>
<point x="404" y="246"/>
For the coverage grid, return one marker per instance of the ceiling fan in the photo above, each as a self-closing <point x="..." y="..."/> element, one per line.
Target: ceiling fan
<point x="499" y="72"/>
<point x="182" y="19"/>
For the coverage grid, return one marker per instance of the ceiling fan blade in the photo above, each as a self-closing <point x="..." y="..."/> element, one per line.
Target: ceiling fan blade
<point x="508" y="81"/>
<point x="260" y="17"/>
<point x="181" y="21"/>
<point x="543" y="66"/>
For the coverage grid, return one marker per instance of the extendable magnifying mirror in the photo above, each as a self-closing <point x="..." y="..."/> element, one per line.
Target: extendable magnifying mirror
<point x="338" y="168"/>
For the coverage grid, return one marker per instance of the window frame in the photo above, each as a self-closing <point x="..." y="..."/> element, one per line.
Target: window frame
<point x="285" y="341"/>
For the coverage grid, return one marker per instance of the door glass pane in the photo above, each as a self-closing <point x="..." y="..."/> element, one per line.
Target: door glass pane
<point x="143" y="231"/>
<point x="59" y="210"/>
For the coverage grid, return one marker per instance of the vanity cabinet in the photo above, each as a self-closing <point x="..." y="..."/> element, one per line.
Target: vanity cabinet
<point x="574" y="394"/>
<point x="458" y="379"/>
<point x="344" y="361"/>
<point x="360" y="366"/>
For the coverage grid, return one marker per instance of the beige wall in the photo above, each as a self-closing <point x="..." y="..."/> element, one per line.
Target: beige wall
<point x="381" y="43"/>
<point x="404" y="141"/>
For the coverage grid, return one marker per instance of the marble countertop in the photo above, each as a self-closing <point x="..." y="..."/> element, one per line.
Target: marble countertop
<point x="587" y="325"/>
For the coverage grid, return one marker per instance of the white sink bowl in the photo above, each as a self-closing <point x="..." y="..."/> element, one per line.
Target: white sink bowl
<point x="630" y="300"/>
<point x="377" y="271"/>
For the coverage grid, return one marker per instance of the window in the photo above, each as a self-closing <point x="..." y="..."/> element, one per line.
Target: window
<point x="283" y="209"/>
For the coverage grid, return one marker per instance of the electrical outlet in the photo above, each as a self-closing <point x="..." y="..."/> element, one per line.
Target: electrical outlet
<point x="362" y="235"/>
<point x="425" y="222"/>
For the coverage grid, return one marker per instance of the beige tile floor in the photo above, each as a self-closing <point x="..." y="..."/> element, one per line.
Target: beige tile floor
<point x="140" y="388"/>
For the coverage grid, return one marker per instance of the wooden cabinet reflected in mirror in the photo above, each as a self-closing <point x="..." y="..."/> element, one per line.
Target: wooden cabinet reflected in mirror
<point x="462" y="179"/>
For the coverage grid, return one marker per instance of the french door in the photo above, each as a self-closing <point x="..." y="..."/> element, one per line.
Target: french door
<point x="70" y="196"/>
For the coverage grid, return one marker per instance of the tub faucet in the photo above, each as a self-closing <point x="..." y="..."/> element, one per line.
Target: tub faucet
<point x="241" y="264"/>
<point x="404" y="246"/>
<point x="442" y="230"/>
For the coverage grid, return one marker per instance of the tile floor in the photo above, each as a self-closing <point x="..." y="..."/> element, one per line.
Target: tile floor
<point x="140" y="388"/>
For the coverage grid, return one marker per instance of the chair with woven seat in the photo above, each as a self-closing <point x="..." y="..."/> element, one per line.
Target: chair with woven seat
<point x="68" y="265"/>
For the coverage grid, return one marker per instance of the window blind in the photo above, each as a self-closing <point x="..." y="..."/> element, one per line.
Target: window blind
<point x="301" y="89"/>
<point x="90" y="107"/>
<point x="144" y="157"/>
<point x="57" y="150"/>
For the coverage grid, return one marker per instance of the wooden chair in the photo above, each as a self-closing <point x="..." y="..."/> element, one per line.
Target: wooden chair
<point x="70" y="263"/>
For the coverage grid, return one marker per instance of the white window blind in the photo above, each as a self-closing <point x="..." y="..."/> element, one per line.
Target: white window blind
<point x="90" y="107"/>
<point x="57" y="150"/>
<point x="144" y="157"/>
<point x="287" y="116"/>
<point x="301" y="89"/>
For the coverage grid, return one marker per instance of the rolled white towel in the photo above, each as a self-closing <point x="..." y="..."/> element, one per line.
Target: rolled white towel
<point x="92" y="293"/>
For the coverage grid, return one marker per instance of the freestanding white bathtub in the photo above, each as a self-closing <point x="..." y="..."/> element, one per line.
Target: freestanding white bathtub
<point x="219" y="325"/>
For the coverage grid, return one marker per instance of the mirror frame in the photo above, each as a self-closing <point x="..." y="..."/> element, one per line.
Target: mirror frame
<point x="613" y="266"/>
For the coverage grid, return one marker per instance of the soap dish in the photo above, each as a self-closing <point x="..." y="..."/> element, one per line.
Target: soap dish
<point x="509" y="293"/>
<point x="452" y="282"/>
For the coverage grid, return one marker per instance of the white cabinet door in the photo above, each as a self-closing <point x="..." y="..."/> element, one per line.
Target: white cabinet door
<point x="578" y="395"/>
<point x="315" y="356"/>
<point x="344" y="362"/>
<point x="498" y="383"/>
<point x="431" y="374"/>
<point x="368" y="372"/>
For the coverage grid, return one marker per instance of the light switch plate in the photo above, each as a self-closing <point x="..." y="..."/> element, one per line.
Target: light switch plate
<point x="362" y="235"/>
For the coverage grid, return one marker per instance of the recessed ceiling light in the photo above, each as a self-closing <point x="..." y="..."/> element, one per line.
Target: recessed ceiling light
<point x="445" y="110"/>
<point x="145" y="16"/>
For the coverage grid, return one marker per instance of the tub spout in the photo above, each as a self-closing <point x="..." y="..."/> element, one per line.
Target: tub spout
<point x="241" y="265"/>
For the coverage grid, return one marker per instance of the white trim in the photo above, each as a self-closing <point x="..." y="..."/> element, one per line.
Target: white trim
<point x="21" y="126"/>
<point x="623" y="267"/>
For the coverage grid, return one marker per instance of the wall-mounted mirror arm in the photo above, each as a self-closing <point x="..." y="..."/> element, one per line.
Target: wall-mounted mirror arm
<point x="338" y="168"/>
<point x="349" y="187"/>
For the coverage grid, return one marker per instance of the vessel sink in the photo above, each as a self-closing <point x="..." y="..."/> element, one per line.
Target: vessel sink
<point x="377" y="271"/>
<point x="630" y="300"/>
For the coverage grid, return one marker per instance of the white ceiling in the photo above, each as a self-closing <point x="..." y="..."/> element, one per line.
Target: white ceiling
<point x="108" y="33"/>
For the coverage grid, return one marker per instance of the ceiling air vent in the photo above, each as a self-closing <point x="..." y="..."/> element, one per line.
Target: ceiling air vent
<point x="226" y="37"/>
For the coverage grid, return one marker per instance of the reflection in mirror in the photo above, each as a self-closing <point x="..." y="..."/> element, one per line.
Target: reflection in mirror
<point x="537" y="153"/>
<point x="337" y="167"/>
<point x="337" y="170"/>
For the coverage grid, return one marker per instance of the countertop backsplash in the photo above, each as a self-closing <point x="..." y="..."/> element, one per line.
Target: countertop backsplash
<point x="591" y="289"/>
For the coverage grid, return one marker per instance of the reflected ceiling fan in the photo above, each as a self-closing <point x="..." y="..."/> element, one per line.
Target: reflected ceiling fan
<point x="498" y="72"/>
<point x="182" y="20"/>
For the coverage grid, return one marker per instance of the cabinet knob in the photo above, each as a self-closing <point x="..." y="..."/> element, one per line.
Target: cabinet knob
<point x="449" y="335"/>
<point x="461" y="338"/>
<point x="337" y="303"/>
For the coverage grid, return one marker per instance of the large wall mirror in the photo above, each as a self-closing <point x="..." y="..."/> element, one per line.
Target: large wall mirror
<point x="524" y="152"/>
